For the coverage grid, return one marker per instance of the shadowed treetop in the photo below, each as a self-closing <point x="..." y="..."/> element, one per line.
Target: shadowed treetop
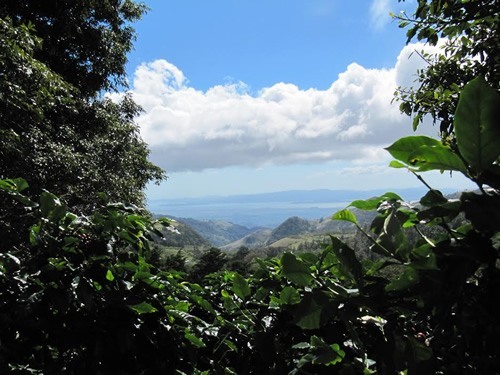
<point x="86" y="42"/>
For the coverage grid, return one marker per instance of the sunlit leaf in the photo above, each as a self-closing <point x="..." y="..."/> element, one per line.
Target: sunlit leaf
<point x="373" y="203"/>
<point x="109" y="275"/>
<point x="477" y="124"/>
<point x="397" y="164"/>
<point x="143" y="308"/>
<point x="404" y="147"/>
<point x="289" y="296"/>
<point x="439" y="157"/>
<point x="196" y="341"/>
<point x="345" y="215"/>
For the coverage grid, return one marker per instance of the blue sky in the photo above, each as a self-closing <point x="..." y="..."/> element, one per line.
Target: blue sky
<point x="250" y="96"/>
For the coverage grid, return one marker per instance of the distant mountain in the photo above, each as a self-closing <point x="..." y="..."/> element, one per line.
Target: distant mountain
<point x="270" y="209"/>
<point x="258" y="238"/>
<point x="217" y="232"/>
<point x="295" y="227"/>
<point x="186" y="237"/>
<point x="292" y="229"/>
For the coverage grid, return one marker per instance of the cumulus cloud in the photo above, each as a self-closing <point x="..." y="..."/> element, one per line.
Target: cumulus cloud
<point x="411" y="59"/>
<point x="228" y="125"/>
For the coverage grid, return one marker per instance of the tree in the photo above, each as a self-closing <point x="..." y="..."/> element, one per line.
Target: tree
<point x="85" y="42"/>
<point x="211" y="261"/>
<point x="469" y="36"/>
<point x="57" y="140"/>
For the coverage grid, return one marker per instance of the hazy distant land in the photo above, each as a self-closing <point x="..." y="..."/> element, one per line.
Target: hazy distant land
<point x="271" y="209"/>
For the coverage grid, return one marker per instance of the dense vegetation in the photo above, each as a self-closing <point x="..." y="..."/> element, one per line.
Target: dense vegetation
<point x="79" y="292"/>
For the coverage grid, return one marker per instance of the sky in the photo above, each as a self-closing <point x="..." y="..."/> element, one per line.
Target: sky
<point x="253" y="96"/>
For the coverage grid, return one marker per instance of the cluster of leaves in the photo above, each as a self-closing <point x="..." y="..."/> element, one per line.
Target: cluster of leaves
<point x="79" y="295"/>
<point x="59" y="141"/>
<point x="85" y="42"/>
<point x="467" y="32"/>
<point x="446" y="285"/>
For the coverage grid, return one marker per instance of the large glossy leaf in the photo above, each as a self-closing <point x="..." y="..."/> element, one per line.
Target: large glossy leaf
<point x="345" y="215"/>
<point x="289" y="296"/>
<point x="439" y="157"/>
<point x="348" y="258"/>
<point x="424" y="153"/>
<point x="308" y="313"/>
<point x="477" y="124"/>
<point x="295" y="270"/>
<point x="373" y="203"/>
<point x="404" y="147"/>
<point x="240" y="286"/>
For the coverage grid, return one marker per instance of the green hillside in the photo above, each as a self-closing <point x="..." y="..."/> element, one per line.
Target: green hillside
<point x="217" y="232"/>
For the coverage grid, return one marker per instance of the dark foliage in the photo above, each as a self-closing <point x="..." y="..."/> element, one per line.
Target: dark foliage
<point x="85" y="42"/>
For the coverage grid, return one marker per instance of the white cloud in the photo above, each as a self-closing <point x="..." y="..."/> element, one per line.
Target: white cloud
<point x="189" y="129"/>
<point x="410" y="60"/>
<point x="365" y="170"/>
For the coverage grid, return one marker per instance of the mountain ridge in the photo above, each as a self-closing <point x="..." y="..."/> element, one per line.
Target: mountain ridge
<point x="270" y="209"/>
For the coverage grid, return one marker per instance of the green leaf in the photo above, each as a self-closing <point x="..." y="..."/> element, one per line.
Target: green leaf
<point x="21" y="184"/>
<point x="433" y="198"/>
<point x="424" y="258"/>
<point x="109" y="275"/>
<point x="477" y="126"/>
<point x="348" y="259"/>
<point x="196" y="341"/>
<point x="203" y="303"/>
<point x="35" y="235"/>
<point x="289" y="296"/>
<point x="404" y="147"/>
<point x="143" y="308"/>
<point x="373" y="203"/>
<point x="439" y="157"/>
<point x="327" y="355"/>
<point x="231" y="345"/>
<point x="447" y="210"/>
<point x="397" y="164"/>
<point x="48" y="202"/>
<point x="302" y="345"/>
<point x="483" y="211"/>
<point x="240" y="286"/>
<point x="295" y="270"/>
<point x="406" y="280"/>
<point x="345" y="215"/>
<point x="308" y="313"/>
<point x="182" y="306"/>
